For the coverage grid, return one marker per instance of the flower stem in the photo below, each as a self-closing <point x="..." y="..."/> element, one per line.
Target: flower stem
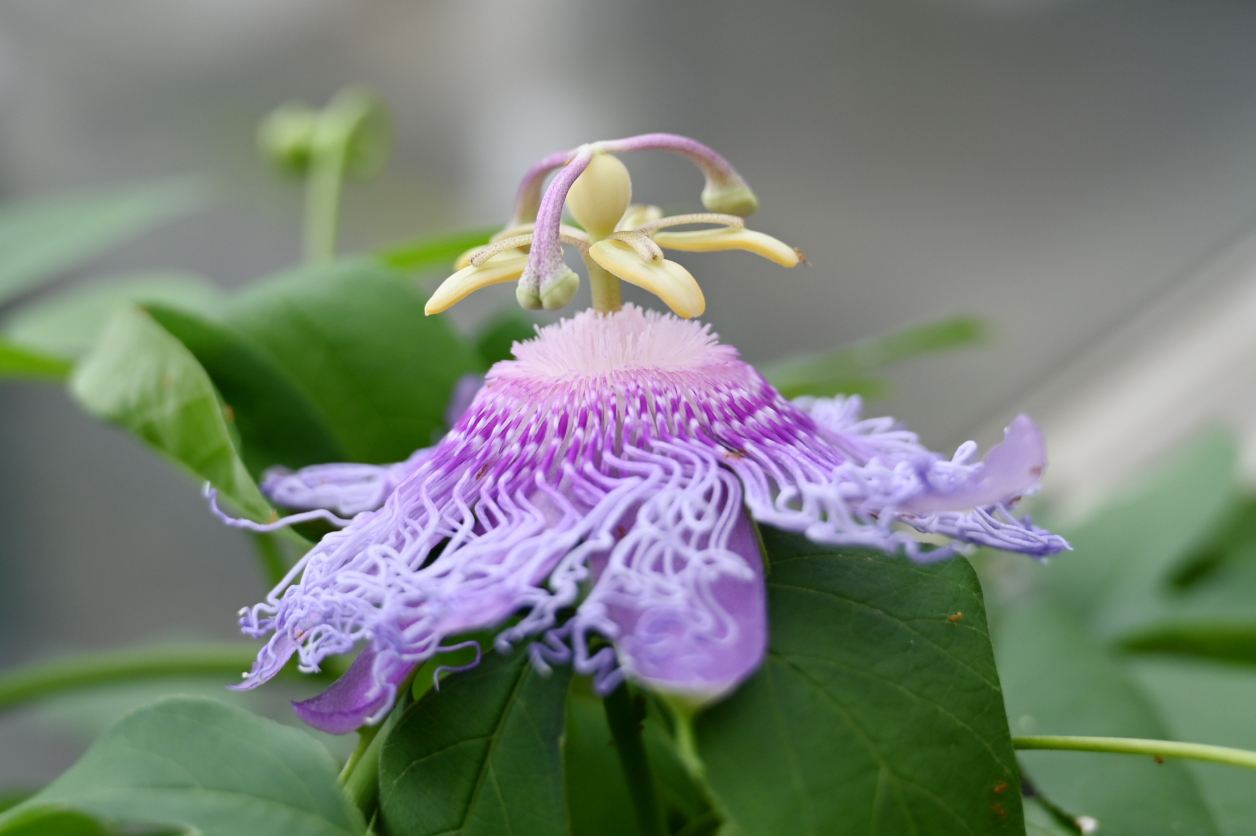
<point x="624" y="716"/>
<point x="608" y="294"/>
<point x="48" y="678"/>
<point x="1139" y="746"/>
<point x="322" y="201"/>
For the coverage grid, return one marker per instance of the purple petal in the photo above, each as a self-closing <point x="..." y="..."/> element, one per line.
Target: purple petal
<point x="465" y="390"/>
<point x="359" y="697"/>
<point x="1009" y="470"/>
<point x="671" y="646"/>
<point x="346" y="489"/>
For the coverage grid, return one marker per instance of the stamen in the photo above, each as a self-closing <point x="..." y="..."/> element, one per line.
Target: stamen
<point x="502" y="267"/>
<point x="637" y="215"/>
<point x="731" y="221"/>
<point x="665" y="279"/>
<point x="710" y="240"/>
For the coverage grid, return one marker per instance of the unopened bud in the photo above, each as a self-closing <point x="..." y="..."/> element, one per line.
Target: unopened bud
<point x="600" y="196"/>
<point x="286" y="137"/>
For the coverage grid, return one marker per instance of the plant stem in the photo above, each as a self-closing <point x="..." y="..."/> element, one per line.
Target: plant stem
<point x="608" y="294"/>
<point x="47" y="678"/>
<point x="624" y="718"/>
<point x="322" y="200"/>
<point x="1139" y="746"/>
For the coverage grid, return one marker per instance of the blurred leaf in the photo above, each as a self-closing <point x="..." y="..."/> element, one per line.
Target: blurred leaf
<point x="1039" y="821"/>
<point x="208" y="767"/>
<point x="1118" y="575"/>
<point x="435" y="252"/>
<point x="354" y="337"/>
<point x="44" y="237"/>
<point x="874" y="712"/>
<point x="1059" y="680"/>
<point x="1234" y="540"/>
<point x="145" y="381"/>
<point x="53" y="821"/>
<point x="277" y="421"/>
<point x="824" y="375"/>
<point x="480" y="756"/>
<point x="20" y="363"/>
<point x="1208" y="703"/>
<point x="495" y="340"/>
<point x="69" y="323"/>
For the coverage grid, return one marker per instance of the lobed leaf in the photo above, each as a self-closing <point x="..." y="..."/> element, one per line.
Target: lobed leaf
<point x="836" y="372"/>
<point x="481" y="756"/>
<point x="353" y="336"/>
<point x="41" y="238"/>
<point x="203" y="767"/>
<point x="278" y="423"/>
<point x="877" y="710"/>
<point x="21" y="363"/>
<point x="145" y="381"/>
<point x="69" y="323"/>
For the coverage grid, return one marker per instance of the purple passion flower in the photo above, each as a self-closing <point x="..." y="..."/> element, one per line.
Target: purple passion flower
<point x="598" y="495"/>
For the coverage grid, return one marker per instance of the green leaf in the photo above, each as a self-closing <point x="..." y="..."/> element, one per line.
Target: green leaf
<point x="827" y="374"/>
<point x="1119" y="573"/>
<point x="18" y="363"/>
<point x="494" y="342"/>
<point x="874" y="711"/>
<point x="1208" y="703"/>
<point x="1060" y="680"/>
<point x="435" y="252"/>
<point x="44" y="237"/>
<point x="145" y="381"/>
<point x="354" y="337"/>
<point x="52" y="821"/>
<point x="206" y="767"/>
<point x="480" y="756"/>
<point x="597" y="797"/>
<point x="277" y="421"/>
<point x="70" y="322"/>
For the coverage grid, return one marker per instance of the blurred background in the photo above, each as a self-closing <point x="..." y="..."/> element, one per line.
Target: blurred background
<point x="1082" y="173"/>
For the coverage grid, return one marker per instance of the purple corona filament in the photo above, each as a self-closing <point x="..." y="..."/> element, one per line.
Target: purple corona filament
<point x="616" y="466"/>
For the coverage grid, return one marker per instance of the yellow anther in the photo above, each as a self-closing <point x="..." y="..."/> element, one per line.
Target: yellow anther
<point x="665" y="279"/>
<point x="600" y="196"/>
<point x="503" y="267"/>
<point x="708" y="240"/>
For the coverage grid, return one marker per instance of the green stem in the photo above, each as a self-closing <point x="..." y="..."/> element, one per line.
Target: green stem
<point x="624" y="718"/>
<point x="322" y="199"/>
<point x="47" y="678"/>
<point x="1139" y="746"/>
<point x="608" y="294"/>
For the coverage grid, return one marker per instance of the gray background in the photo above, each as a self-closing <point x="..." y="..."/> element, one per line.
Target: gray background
<point x="1054" y="166"/>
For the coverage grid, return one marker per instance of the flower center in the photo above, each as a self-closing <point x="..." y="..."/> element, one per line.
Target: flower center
<point x="595" y="344"/>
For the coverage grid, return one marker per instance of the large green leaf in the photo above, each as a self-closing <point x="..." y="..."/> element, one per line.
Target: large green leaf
<point x="21" y="363"/>
<point x="435" y="252"/>
<point x="1060" y="680"/>
<point x="481" y="756"/>
<point x="277" y="421"/>
<point x="847" y="369"/>
<point x="877" y="710"/>
<point x="354" y="337"/>
<point x="205" y="766"/>
<point x="41" y="238"/>
<point x="1209" y="703"/>
<point x="145" y="381"/>
<point x="69" y="323"/>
